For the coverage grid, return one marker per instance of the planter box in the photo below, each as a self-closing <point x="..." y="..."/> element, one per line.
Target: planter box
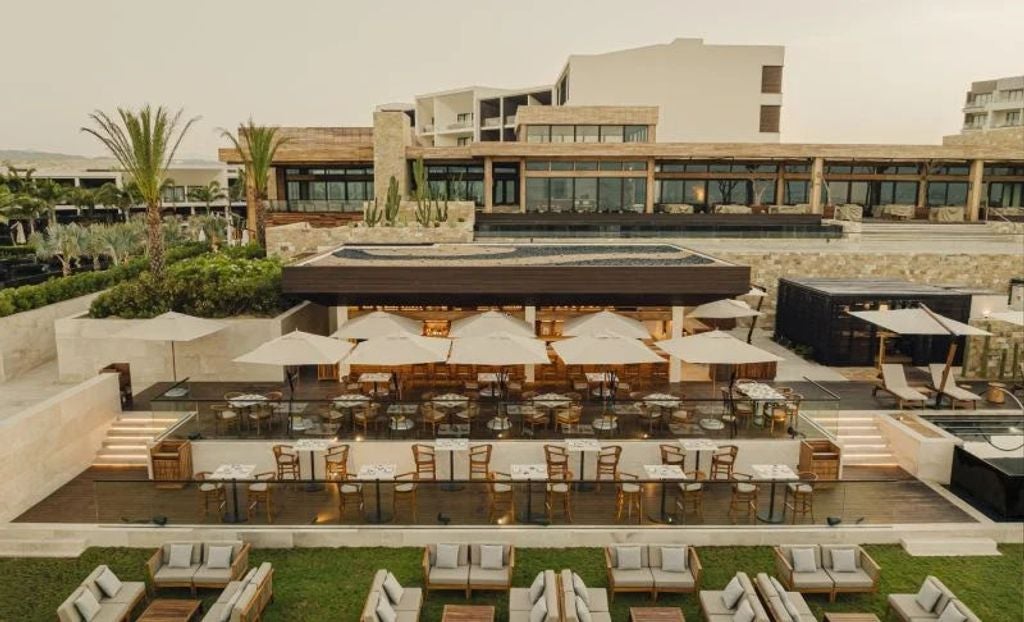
<point x="27" y="339"/>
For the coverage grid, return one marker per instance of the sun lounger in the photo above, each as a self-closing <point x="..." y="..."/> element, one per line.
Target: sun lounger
<point x="950" y="389"/>
<point x="894" y="382"/>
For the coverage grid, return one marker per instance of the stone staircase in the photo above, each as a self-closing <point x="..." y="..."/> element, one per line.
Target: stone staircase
<point x="127" y="438"/>
<point x="857" y="433"/>
<point x="979" y="232"/>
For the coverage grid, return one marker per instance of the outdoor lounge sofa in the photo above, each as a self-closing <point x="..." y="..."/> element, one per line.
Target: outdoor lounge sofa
<point x="112" y="606"/>
<point x="894" y="382"/>
<point x="782" y="606"/>
<point x="950" y="389"/>
<point x="838" y="569"/>
<point x="244" y="600"/>
<point x="799" y="568"/>
<point x="578" y="600"/>
<point x="651" y="572"/>
<point x="209" y="564"/>
<point x="472" y="568"/>
<point x="405" y="602"/>
<point x="929" y="603"/>
<point x="739" y="594"/>
<point x="522" y="600"/>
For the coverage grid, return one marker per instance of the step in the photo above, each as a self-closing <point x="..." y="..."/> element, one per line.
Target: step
<point x="950" y="547"/>
<point x="104" y="459"/>
<point x="50" y="547"/>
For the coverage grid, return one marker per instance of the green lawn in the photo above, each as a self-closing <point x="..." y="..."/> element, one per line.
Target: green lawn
<point x="330" y="584"/>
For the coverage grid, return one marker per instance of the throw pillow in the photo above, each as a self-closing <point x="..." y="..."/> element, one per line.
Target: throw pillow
<point x="87" y="605"/>
<point x="844" y="560"/>
<point x="109" y="583"/>
<point x="629" y="557"/>
<point x="447" y="556"/>
<point x="180" y="557"/>
<point x="218" y="557"/>
<point x="673" y="559"/>
<point x="928" y="595"/>
<point x="385" y="611"/>
<point x="732" y="593"/>
<point x="229" y="607"/>
<point x="491" y="557"/>
<point x="745" y="613"/>
<point x="787" y="602"/>
<point x="537" y="588"/>
<point x="540" y="611"/>
<point x="582" y="611"/>
<point x="952" y="613"/>
<point x="803" y="560"/>
<point x="580" y="588"/>
<point x="393" y="588"/>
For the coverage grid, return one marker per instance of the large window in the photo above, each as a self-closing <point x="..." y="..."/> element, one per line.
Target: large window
<point x="1006" y="194"/>
<point x="457" y="182"/>
<point x="562" y="134"/>
<point x="611" y="133"/>
<point x="585" y="194"/>
<point x="586" y="133"/>
<point x="947" y="193"/>
<point x="895" y="192"/>
<point x="634" y="134"/>
<point x="538" y="133"/>
<point x="340" y="184"/>
<point x="796" y="192"/>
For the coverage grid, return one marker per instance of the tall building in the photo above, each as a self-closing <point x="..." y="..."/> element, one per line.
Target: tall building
<point x="994" y="104"/>
<point x="706" y="93"/>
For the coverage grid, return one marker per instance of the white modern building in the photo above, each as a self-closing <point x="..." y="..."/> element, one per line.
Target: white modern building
<point x="705" y="93"/>
<point x="994" y="104"/>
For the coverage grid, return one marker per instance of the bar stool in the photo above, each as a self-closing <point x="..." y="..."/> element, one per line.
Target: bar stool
<point x="262" y="492"/>
<point x="744" y="497"/>
<point x="691" y="495"/>
<point x="210" y="491"/>
<point x="799" y="496"/>
<point x="629" y="495"/>
<point x="500" y="495"/>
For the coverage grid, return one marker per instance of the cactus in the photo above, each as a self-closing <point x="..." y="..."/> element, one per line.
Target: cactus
<point x="392" y="202"/>
<point x="423" y="213"/>
<point x="372" y="214"/>
<point x="441" y="209"/>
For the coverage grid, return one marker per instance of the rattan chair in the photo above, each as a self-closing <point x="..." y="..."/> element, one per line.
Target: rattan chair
<point x="608" y="463"/>
<point x="406" y="485"/>
<point x="210" y="492"/>
<point x="336" y="462"/>
<point x="672" y="455"/>
<point x="425" y="459"/>
<point x="691" y="496"/>
<point x="501" y="498"/>
<point x="723" y="461"/>
<point x="349" y="492"/>
<point x="558" y="491"/>
<point x="480" y="461"/>
<point x="287" y="461"/>
<point x="799" y="496"/>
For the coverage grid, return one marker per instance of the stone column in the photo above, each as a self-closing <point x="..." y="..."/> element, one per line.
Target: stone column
<point x="817" y="174"/>
<point x="338" y="316"/>
<point x="780" y="185"/>
<point x="975" y="191"/>
<point x="649" y="202"/>
<point x="530" y="316"/>
<point x="675" y="366"/>
<point x="488" y="185"/>
<point x="391" y="135"/>
<point x="522" y="185"/>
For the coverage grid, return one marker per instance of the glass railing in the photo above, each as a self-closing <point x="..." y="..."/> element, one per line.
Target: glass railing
<point x="402" y="500"/>
<point x="317" y="206"/>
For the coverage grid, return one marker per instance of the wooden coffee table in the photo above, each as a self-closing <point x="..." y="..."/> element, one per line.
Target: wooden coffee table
<point x="171" y="610"/>
<point x="850" y="617"/>
<point x="468" y="613"/>
<point x="656" y="614"/>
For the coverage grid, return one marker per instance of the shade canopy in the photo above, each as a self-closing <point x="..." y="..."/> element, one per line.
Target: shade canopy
<point x="724" y="309"/>
<point x="605" y="349"/>
<point x="1013" y="317"/>
<point x="298" y="348"/>
<point x="400" y="349"/>
<point x="378" y="324"/>
<point x="755" y="292"/>
<point x="488" y="323"/>
<point x="917" y="321"/>
<point x="171" y="326"/>
<point x="715" y="348"/>
<point x="499" y="349"/>
<point x="603" y="323"/>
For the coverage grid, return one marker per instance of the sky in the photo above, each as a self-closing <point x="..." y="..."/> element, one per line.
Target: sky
<point x="856" y="71"/>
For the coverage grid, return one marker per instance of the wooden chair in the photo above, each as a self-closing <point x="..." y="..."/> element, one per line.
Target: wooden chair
<point x="558" y="491"/>
<point x="629" y="495"/>
<point x="364" y="416"/>
<point x="777" y="415"/>
<point x="568" y="415"/>
<point x="210" y="491"/>
<point x="650" y="414"/>
<point x="608" y="463"/>
<point x="349" y="492"/>
<point x="500" y="496"/>
<point x="744" y="497"/>
<point x="336" y="462"/>
<point x="691" y="496"/>
<point x="287" y="461"/>
<point x="332" y="415"/>
<point x="480" y="461"/>
<point x="262" y="491"/>
<point x="799" y="496"/>
<point x="405" y="491"/>
<point x="672" y="455"/>
<point x="469" y="414"/>
<point x="723" y="461"/>
<point x="259" y="413"/>
<point x="425" y="459"/>
<point x="432" y="417"/>
<point x="556" y="457"/>
<point x="535" y="419"/>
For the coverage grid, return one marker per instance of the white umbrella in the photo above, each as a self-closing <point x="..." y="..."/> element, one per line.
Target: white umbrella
<point x="605" y="349"/>
<point x="488" y="323"/>
<point x="230" y="232"/>
<point x="498" y="349"/>
<point x="715" y="348"/>
<point x="400" y="349"/>
<point x="755" y="292"/>
<point x="378" y="324"/>
<point x="202" y="235"/>
<point x="298" y="348"/>
<point x="171" y="327"/>
<point x="724" y="309"/>
<point x="1012" y="317"/>
<point x="604" y="323"/>
<point x="19" y="233"/>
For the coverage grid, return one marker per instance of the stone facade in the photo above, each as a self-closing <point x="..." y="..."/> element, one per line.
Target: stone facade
<point x="392" y="133"/>
<point x="997" y="357"/>
<point x="27" y="339"/>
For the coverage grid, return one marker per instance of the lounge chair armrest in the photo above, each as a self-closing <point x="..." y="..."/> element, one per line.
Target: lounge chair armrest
<point x="426" y="566"/>
<point x="153" y="565"/>
<point x="241" y="563"/>
<point x="695" y="568"/>
<point x="783" y="568"/>
<point x="608" y="567"/>
<point x="511" y="562"/>
<point x="870" y="566"/>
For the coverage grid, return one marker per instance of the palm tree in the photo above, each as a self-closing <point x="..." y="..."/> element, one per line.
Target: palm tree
<point x="256" y="145"/>
<point x="92" y="244"/>
<point x="51" y="194"/>
<point x="207" y="194"/>
<point x="82" y="198"/>
<point x="122" y="240"/>
<point x="144" y="144"/>
<point x="62" y="242"/>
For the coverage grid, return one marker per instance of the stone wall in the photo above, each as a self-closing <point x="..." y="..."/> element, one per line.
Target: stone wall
<point x="86" y="345"/>
<point x="48" y="444"/>
<point x="27" y="339"/>
<point x="391" y="135"/>
<point x="997" y="357"/>
<point x="289" y="241"/>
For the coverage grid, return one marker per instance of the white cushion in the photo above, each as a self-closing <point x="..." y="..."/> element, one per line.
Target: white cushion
<point x="393" y="588"/>
<point x="732" y="593"/>
<point x="928" y="595"/>
<point x="582" y="611"/>
<point x="218" y="557"/>
<point x="109" y="583"/>
<point x="673" y="558"/>
<point x="952" y="614"/>
<point x="803" y="560"/>
<point x="787" y="602"/>
<point x="447" y="556"/>
<point x="385" y="611"/>
<point x="628" y="557"/>
<point x="580" y="588"/>
<point x="539" y="611"/>
<point x="490" y="557"/>
<point x="844" y="560"/>
<point x="745" y="613"/>
<point x="537" y="588"/>
<point x="180" y="557"/>
<point x="87" y="605"/>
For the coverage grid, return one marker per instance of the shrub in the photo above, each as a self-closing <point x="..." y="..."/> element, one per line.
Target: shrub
<point x="16" y="251"/>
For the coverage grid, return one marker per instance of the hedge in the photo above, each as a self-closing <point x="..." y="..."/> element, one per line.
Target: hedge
<point x="16" y="251"/>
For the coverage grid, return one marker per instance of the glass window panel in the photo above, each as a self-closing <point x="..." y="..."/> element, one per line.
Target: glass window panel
<point x="589" y="165"/>
<point x="537" y="191"/>
<point x="762" y="192"/>
<point x="839" y="192"/>
<point x="610" y="193"/>
<point x="537" y="165"/>
<point x="695" y="192"/>
<point x="356" y="190"/>
<point x="611" y="133"/>
<point x="719" y="168"/>
<point x="317" y="190"/>
<point x="561" y="166"/>
<point x="438" y="187"/>
<point x="475" y="191"/>
<point x="292" y="191"/>
<point x="585" y="194"/>
<point x="316" y="171"/>
<point x="336" y="191"/>
<point x="634" y="194"/>
<point x="858" y="192"/>
<point x="587" y="134"/>
<point x="637" y="165"/>
<point x="956" y="193"/>
<point x="562" y="134"/>
<point x="727" y="191"/>
<point x="796" y="192"/>
<point x="798" y="168"/>
<point x="696" y="168"/>
<point x="561" y="194"/>
<point x="670" y="167"/>
<point x="292" y="171"/>
<point x="671" y="191"/>
<point x="905" y="192"/>
<point x="635" y="134"/>
<point x="538" y="133"/>
<point x="611" y="165"/>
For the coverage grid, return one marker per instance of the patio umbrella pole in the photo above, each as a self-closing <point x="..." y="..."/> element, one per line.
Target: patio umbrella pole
<point x="950" y="354"/>
<point x="174" y="365"/>
<point x="753" y="321"/>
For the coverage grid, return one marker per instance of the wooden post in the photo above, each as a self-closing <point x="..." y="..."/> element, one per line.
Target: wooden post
<point x="675" y="366"/>
<point x="522" y="185"/>
<point x="817" y="173"/>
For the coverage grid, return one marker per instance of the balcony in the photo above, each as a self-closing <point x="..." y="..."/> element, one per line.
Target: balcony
<point x="427" y="129"/>
<point x="465" y="124"/>
<point x="510" y="120"/>
<point x="492" y="122"/>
